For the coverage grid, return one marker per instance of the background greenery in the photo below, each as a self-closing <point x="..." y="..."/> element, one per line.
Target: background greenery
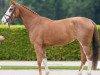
<point x="58" y="9"/>
<point x="17" y="46"/>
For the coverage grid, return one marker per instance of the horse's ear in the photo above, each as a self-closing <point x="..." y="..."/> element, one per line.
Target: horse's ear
<point x="12" y="2"/>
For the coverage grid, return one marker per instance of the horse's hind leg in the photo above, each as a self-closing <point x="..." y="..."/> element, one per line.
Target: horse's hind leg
<point x="83" y="60"/>
<point x="87" y="52"/>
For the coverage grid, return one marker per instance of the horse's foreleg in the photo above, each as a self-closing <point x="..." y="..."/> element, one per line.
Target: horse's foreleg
<point x="45" y="62"/>
<point x="83" y="60"/>
<point x="39" y="55"/>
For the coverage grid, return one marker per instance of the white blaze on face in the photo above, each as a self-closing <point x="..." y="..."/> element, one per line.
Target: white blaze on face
<point x="6" y="16"/>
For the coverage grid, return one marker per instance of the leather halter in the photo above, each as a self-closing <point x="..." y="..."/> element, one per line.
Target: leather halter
<point x="10" y="19"/>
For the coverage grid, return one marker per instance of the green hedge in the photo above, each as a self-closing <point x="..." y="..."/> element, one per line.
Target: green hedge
<point x="17" y="46"/>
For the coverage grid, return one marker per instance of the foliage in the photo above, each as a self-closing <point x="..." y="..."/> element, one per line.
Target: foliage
<point x="17" y="46"/>
<point x="79" y="8"/>
<point x="58" y="9"/>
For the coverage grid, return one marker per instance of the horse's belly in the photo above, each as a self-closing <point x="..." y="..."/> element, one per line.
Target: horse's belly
<point x="58" y="35"/>
<point x="58" y="41"/>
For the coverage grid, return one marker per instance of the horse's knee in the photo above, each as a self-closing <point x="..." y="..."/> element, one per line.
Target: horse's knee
<point x="87" y="52"/>
<point x="83" y="61"/>
<point x="39" y="58"/>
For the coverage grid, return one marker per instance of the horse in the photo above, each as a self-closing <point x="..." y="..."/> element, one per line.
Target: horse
<point x="44" y="32"/>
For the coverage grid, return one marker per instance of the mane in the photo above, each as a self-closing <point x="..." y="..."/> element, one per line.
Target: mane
<point x="27" y="9"/>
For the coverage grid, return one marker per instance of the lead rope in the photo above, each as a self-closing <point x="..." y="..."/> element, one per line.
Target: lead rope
<point x="7" y="21"/>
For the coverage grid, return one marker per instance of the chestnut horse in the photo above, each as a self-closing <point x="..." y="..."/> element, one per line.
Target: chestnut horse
<point x="44" y="32"/>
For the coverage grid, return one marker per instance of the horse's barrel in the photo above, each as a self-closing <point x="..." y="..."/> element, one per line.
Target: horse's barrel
<point x="1" y="38"/>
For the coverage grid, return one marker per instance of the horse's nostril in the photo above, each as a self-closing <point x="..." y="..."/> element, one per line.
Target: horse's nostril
<point x="7" y="20"/>
<point x="4" y="22"/>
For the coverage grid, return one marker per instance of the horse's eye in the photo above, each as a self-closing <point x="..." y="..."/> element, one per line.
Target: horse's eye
<point x="11" y="9"/>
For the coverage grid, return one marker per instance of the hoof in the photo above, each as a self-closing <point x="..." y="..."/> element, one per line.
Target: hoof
<point x="79" y="73"/>
<point x="47" y="73"/>
<point x="88" y="73"/>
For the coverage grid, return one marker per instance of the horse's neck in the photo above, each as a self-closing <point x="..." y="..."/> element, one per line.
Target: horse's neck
<point x="29" y="19"/>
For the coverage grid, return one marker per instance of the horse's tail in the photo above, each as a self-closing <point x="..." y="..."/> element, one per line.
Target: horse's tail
<point x="95" y="45"/>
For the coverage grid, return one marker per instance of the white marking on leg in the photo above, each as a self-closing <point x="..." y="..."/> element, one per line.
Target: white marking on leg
<point x="89" y="66"/>
<point x="46" y="66"/>
<point x="89" y="62"/>
<point x="80" y="72"/>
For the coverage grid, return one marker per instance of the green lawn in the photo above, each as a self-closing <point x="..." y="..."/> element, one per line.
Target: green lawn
<point x="34" y="67"/>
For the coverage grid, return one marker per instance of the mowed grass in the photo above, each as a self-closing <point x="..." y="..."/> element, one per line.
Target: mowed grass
<point x="35" y="67"/>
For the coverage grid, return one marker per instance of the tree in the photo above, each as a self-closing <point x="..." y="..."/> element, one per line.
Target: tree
<point x="3" y="3"/>
<point x="58" y="9"/>
<point x="79" y="8"/>
<point x="97" y="11"/>
<point x="43" y="7"/>
<point x="3" y="7"/>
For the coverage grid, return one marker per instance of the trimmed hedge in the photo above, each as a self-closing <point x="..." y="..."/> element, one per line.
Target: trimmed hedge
<point x="17" y="46"/>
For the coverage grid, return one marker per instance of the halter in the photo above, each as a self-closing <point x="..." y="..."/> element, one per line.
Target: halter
<point x="10" y="19"/>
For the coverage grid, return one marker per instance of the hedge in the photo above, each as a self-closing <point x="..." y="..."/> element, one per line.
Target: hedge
<point x="17" y="46"/>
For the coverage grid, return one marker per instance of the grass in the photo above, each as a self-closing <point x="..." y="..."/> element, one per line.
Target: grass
<point x="98" y="26"/>
<point x="35" y="67"/>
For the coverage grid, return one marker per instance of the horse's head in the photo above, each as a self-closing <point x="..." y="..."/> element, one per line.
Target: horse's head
<point x="11" y="13"/>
